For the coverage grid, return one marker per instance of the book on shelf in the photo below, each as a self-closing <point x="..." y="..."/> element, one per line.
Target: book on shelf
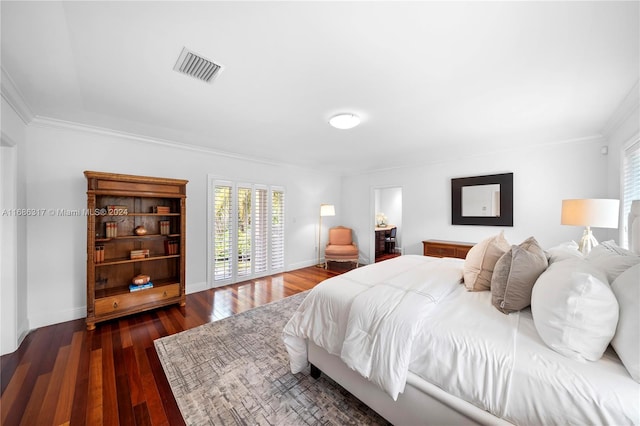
<point x="139" y="254"/>
<point x="171" y="247"/>
<point x="133" y="287"/>
<point x="111" y="229"/>
<point x="161" y="209"/>
<point x="117" y="210"/>
<point x="165" y="227"/>
<point x="99" y="254"/>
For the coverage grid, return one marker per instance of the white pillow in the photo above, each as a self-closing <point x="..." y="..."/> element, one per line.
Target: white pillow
<point x="611" y="259"/>
<point x="626" y="341"/>
<point x="574" y="310"/>
<point x="480" y="261"/>
<point x="564" y="251"/>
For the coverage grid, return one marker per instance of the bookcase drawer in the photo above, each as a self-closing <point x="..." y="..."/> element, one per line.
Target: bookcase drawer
<point x="123" y="302"/>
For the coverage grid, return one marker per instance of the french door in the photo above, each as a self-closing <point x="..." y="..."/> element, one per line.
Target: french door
<point x="247" y="231"/>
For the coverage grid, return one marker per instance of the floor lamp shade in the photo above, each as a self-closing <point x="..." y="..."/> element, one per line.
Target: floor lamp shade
<point x="325" y="210"/>
<point x="596" y="212"/>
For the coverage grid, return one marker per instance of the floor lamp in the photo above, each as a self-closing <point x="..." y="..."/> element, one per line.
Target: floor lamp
<point x="325" y="210"/>
<point x="599" y="213"/>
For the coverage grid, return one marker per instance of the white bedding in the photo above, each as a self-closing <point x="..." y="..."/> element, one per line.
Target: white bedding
<point x="458" y="341"/>
<point x="370" y="316"/>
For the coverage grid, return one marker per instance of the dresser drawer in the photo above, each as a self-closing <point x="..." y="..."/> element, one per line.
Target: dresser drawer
<point x="439" y="248"/>
<point x="439" y="251"/>
<point x="123" y="302"/>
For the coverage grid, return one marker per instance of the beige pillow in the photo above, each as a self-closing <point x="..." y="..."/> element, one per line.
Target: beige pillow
<point x="515" y="274"/>
<point x="478" y="266"/>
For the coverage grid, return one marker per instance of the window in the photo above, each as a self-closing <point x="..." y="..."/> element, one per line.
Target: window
<point x="248" y="231"/>
<point x="630" y="185"/>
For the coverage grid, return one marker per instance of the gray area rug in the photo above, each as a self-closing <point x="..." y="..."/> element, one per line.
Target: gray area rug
<point x="236" y="372"/>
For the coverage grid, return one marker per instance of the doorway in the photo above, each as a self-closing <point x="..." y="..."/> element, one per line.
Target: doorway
<point x="386" y="233"/>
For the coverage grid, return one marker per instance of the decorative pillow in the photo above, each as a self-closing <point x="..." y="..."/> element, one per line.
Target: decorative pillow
<point x="574" y="310"/>
<point x="611" y="259"/>
<point x="515" y="274"/>
<point x="626" y="341"/>
<point x="568" y="250"/>
<point x="480" y="260"/>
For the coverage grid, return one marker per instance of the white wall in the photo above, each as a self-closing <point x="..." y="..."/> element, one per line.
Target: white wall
<point x="57" y="157"/>
<point x="13" y="266"/>
<point x="543" y="176"/>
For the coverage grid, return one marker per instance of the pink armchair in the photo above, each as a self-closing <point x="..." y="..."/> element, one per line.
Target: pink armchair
<point x="340" y="247"/>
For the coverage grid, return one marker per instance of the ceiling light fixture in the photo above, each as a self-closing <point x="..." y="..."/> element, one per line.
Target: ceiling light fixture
<point x="344" y="121"/>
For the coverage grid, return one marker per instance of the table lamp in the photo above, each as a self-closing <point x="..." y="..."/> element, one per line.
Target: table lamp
<point x="594" y="212"/>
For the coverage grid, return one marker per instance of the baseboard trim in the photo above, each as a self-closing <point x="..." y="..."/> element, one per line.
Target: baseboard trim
<point x="196" y="287"/>
<point x="50" y="318"/>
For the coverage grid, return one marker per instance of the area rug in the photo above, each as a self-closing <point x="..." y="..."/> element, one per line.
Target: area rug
<point x="235" y="371"/>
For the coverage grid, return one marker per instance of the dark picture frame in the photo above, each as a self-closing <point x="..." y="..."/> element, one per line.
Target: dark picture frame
<point x="505" y="180"/>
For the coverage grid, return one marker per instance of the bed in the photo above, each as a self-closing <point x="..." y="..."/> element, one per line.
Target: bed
<point x="407" y="338"/>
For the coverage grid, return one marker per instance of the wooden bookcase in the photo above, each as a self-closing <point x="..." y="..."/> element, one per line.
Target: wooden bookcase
<point x="125" y="202"/>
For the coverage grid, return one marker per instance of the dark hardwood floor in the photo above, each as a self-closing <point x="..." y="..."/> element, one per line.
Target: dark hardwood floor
<point x="63" y="374"/>
<point x="385" y="256"/>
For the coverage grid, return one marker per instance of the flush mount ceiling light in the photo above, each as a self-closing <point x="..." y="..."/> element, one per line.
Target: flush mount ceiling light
<point x="344" y="121"/>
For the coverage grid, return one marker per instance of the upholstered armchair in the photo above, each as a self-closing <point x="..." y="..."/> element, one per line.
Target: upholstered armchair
<point x="340" y="247"/>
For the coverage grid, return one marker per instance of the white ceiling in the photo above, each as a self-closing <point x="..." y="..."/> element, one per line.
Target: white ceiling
<point x="431" y="80"/>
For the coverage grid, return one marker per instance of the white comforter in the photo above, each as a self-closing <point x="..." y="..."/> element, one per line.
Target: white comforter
<point x="371" y="316"/>
<point x="464" y="345"/>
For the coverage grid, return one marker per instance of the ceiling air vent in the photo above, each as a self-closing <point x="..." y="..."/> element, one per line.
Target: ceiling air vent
<point x="196" y="66"/>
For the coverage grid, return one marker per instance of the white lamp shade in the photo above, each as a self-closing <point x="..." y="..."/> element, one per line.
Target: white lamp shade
<point x="595" y="212"/>
<point x="327" y="210"/>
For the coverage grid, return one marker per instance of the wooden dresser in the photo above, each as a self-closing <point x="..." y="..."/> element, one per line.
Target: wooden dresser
<point x="440" y="248"/>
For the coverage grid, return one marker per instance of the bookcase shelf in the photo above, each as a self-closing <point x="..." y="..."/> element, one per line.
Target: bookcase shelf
<point x="125" y="260"/>
<point x="158" y="205"/>
<point x="136" y="237"/>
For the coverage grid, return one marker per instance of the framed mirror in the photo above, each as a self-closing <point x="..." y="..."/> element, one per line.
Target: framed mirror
<point x="482" y="200"/>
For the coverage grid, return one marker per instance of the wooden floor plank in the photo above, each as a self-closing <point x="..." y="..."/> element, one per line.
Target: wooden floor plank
<point x="164" y="390"/>
<point x="81" y="394"/>
<point x="112" y="375"/>
<point x="68" y="385"/>
<point x="50" y="400"/>
<point x="94" y="400"/>
<point x="34" y="406"/>
<point x="12" y="393"/>
<point x="110" y="414"/>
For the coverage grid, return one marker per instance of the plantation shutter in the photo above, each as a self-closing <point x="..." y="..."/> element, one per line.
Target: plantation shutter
<point x="630" y="185"/>
<point x="261" y="230"/>
<point x="244" y="212"/>
<point x="223" y="232"/>
<point x="277" y="229"/>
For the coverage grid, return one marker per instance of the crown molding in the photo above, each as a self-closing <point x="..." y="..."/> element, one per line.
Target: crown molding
<point x="70" y="125"/>
<point x="10" y="93"/>
<point x="452" y="158"/>
<point x="627" y="107"/>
